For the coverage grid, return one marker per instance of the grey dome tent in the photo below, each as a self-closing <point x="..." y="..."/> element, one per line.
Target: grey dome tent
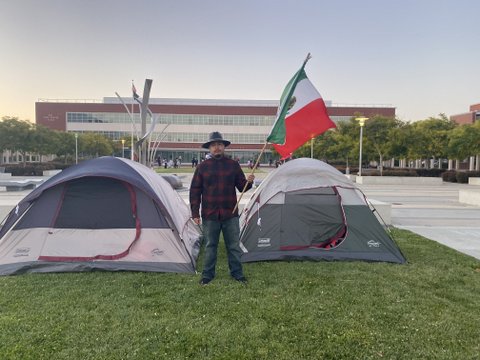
<point x="307" y="209"/>
<point x="102" y="214"/>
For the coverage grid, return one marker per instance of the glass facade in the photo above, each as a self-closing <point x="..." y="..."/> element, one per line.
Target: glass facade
<point x="177" y="137"/>
<point x="177" y="119"/>
<point x="236" y="122"/>
<point x="337" y="119"/>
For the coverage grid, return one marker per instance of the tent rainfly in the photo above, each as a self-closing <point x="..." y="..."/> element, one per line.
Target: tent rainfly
<point x="102" y="214"/>
<point x="307" y="209"/>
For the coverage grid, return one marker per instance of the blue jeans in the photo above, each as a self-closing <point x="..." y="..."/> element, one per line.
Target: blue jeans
<point x="231" y="232"/>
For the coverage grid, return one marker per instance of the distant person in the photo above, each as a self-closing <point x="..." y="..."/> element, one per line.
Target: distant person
<point x="213" y="188"/>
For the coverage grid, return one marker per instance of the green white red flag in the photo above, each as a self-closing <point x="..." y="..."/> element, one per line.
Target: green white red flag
<point x="301" y="116"/>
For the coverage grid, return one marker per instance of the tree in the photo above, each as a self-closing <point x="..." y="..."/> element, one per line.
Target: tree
<point x="431" y="137"/>
<point x="64" y="144"/>
<point x="464" y="141"/>
<point x="16" y="135"/>
<point x="94" y="145"/>
<point x="401" y="140"/>
<point x="344" y="147"/>
<point x="346" y="141"/>
<point x="377" y="133"/>
<point x="43" y="141"/>
<point x="321" y="146"/>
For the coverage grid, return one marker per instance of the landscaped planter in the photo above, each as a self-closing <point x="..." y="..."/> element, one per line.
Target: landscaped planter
<point x="474" y="180"/>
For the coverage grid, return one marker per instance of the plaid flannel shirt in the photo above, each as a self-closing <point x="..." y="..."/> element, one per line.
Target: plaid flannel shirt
<point x="213" y="185"/>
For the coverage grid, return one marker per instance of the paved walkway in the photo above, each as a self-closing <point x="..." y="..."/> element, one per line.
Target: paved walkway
<point x="431" y="211"/>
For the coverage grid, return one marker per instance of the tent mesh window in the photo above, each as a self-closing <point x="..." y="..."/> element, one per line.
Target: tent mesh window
<point x="316" y="219"/>
<point x="95" y="203"/>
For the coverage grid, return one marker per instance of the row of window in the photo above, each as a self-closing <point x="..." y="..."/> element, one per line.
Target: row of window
<point x="178" y="119"/>
<point x="187" y="137"/>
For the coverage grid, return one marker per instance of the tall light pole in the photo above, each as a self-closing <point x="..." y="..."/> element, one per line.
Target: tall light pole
<point x="123" y="148"/>
<point x="76" y="148"/>
<point x="361" y="122"/>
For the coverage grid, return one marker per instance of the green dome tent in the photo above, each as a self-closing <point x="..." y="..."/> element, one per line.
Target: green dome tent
<point x="306" y="209"/>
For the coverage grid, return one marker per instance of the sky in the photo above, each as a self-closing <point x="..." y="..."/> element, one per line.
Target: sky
<point x="420" y="56"/>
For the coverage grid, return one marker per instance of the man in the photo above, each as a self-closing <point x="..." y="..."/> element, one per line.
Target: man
<point x="213" y="186"/>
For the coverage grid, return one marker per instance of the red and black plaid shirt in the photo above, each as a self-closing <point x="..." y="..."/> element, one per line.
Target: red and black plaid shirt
<point x="213" y="185"/>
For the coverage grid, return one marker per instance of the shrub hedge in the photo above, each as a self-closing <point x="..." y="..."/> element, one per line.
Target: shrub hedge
<point x="395" y="172"/>
<point x="459" y="176"/>
<point x="449" y="176"/>
<point x="33" y="169"/>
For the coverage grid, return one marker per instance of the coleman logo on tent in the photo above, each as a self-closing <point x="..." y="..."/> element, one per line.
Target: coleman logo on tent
<point x="156" y="252"/>
<point x="263" y="242"/>
<point x="21" y="252"/>
<point x="373" y="243"/>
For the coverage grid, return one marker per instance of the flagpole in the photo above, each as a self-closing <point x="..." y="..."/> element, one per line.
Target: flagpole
<point x="132" y="151"/>
<point x="306" y="59"/>
<point x="253" y="170"/>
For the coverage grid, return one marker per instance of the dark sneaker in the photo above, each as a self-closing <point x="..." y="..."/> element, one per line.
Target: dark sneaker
<point x="242" y="280"/>
<point x="205" y="281"/>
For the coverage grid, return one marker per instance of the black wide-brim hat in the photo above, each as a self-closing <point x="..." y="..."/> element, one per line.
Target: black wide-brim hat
<point x="213" y="137"/>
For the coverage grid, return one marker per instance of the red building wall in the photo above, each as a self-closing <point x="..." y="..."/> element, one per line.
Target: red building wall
<point x="462" y="119"/>
<point x="53" y="115"/>
<point x="475" y="107"/>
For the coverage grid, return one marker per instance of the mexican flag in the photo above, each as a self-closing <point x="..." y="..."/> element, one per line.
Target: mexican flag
<point x="301" y="116"/>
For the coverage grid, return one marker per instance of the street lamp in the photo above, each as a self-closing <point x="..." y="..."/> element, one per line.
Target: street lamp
<point x="361" y="122"/>
<point x="76" y="148"/>
<point x="123" y="148"/>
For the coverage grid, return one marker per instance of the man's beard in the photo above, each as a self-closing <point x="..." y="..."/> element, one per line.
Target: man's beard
<point x="217" y="156"/>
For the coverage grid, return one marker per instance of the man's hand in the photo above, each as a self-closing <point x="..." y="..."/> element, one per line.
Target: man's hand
<point x="196" y="220"/>
<point x="250" y="178"/>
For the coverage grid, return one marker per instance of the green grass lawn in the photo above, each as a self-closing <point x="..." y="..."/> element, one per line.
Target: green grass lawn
<point x="426" y="309"/>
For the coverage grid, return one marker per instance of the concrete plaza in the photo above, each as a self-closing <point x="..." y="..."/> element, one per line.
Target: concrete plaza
<point x="433" y="212"/>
